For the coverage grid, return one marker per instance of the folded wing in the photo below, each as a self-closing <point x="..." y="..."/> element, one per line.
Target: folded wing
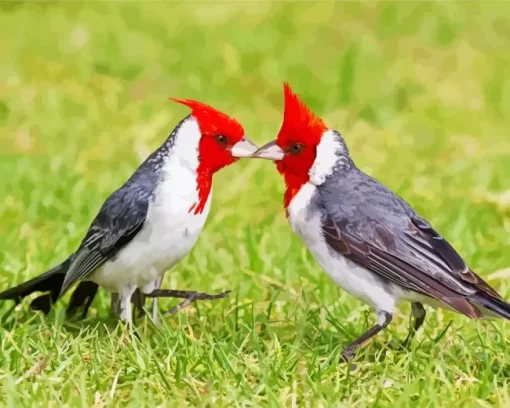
<point x="416" y="258"/>
<point x="120" y="219"/>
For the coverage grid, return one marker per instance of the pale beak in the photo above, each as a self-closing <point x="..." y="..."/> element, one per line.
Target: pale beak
<point x="244" y="148"/>
<point x="270" y="151"/>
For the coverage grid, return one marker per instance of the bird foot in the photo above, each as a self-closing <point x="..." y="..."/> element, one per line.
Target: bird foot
<point x="346" y="357"/>
<point x="194" y="296"/>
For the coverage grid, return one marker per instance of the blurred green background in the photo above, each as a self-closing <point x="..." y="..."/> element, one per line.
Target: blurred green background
<point x="420" y="91"/>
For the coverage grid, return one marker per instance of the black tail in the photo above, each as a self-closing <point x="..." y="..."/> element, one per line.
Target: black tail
<point x="50" y="281"/>
<point x="494" y="305"/>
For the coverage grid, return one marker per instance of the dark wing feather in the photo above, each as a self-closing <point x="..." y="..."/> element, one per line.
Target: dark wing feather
<point x="407" y="263"/>
<point x="121" y="217"/>
<point x="422" y="232"/>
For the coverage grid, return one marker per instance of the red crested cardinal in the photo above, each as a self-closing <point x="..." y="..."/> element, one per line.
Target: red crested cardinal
<point x="150" y="223"/>
<point x="364" y="236"/>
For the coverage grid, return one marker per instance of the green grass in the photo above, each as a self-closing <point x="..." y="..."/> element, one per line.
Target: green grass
<point x="420" y="91"/>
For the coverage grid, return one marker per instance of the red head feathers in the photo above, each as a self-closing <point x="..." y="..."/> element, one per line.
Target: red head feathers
<point x="212" y="121"/>
<point x="300" y="124"/>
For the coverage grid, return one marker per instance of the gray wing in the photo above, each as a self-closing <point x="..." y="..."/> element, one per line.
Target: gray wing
<point x="400" y="247"/>
<point x="120" y="219"/>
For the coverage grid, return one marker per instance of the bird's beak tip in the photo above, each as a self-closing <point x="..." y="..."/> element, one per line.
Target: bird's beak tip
<point x="244" y="148"/>
<point x="270" y="151"/>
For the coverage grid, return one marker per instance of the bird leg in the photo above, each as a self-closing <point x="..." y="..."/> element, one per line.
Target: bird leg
<point x="384" y="320"/>
<point x="115" y="305"/>
<point x="188" y="296"/>
<point x="194" y="297"/>
<point x="125" y="296"/>
<point x="155" y="315"/>
<point x="138" y="300"/>
<point x="184" y="294"/>
<point x="150" y="287"/>
<point x="418" y="312"/>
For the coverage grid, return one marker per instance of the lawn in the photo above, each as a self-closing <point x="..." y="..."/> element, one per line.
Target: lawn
<point x="421" y="93"/>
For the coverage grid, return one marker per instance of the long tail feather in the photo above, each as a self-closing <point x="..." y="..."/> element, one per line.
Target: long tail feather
<point x="50" y="281"/>
<point x="494" y="305"/>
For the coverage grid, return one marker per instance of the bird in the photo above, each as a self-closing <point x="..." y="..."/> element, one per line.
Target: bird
<point x="370" y="241"/>
<point x="151" y="222"/>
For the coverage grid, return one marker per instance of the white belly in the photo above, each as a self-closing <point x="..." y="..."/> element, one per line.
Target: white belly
<point x="168" y="234"/>
<point x="354" y="279"/>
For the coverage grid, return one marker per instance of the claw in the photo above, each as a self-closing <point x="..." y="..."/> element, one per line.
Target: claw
<point x="196" y="296"/>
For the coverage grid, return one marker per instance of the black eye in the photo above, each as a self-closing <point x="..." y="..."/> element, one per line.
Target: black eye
<point x="296" y="148"/>
<point x="221" y="139"/>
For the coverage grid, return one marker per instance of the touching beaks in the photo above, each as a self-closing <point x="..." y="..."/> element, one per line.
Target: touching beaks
<point x="244" y="148"/>
<point x="270" y="151"/>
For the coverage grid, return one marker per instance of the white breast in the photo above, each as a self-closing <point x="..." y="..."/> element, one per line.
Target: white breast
<point x="170" y="230"/>
<point x="356" y="280"/>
